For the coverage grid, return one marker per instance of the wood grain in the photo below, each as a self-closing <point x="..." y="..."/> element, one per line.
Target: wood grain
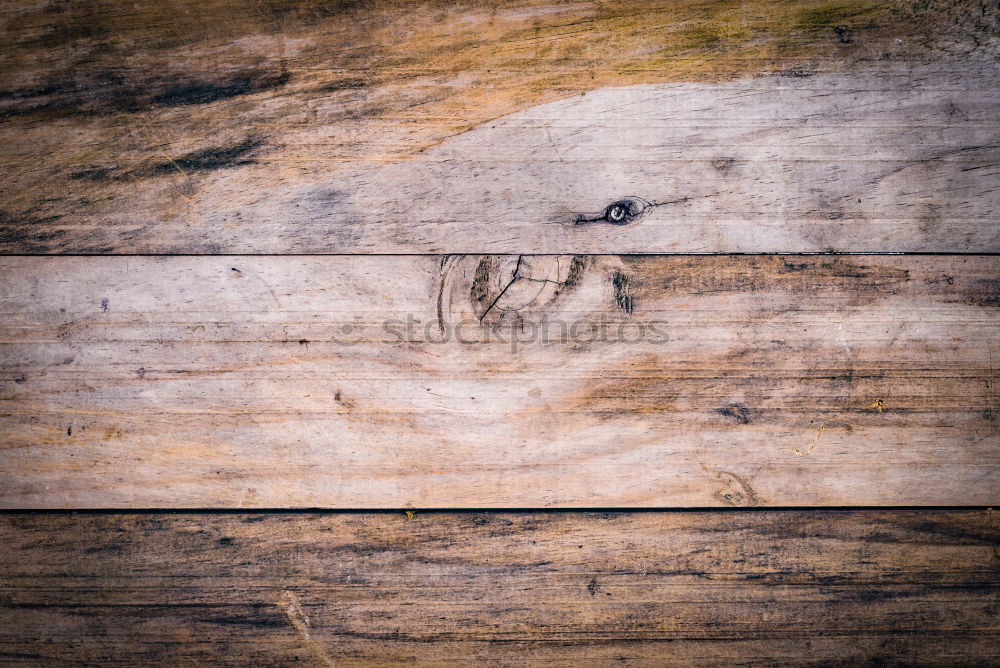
<point x="742" y="588"/>
<point x="297" y="126"/>
<point x="520" y="381"/>
<point x="559" y="371"/>
<point x="850" y="162"/>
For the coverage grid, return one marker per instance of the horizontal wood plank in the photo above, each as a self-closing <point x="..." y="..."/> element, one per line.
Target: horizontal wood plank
<point x="296" y="126"/>
<point x="761" y="588"/>
<point x="848" y="162"/>
<point x="491" y="381"/>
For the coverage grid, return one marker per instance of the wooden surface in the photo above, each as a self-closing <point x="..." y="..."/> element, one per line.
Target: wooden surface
<point x="548" y="381"/>
<point x="861" y="161"/>
<point x="734" y="588"/>
<point x="396" y="127"/>
<point x="268" y="191"/>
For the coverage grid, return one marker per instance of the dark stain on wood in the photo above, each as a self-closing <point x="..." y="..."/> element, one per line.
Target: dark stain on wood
<point x="93" y="173"/>
<point x="208" y="159"/>
<point x="578" y="264"/>
<point x="102" y="91"/>
<point x="623" y="292"/>
<point x="31" y="233"/>
<point x="203" y="92"/>
<point x="344" y="84"/>
<point x="203" y="160"/>
<point x="985" y="292"/>
<point x="724" y="164"/>
<point x="736" y="411"/>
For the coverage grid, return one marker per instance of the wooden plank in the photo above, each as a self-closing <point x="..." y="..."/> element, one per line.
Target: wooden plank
<point x="847" y="162"/>
<point x="771" y="588"/>
<point x="520" y="381"/>
<point x="412" y="127"/>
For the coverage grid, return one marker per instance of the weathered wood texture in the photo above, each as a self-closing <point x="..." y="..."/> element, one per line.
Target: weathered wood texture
<point x="547" y="377"/>
<point x="741" y="588"/>
<point x="548" y="381"/>
<point x="848" y="162"/>
<point x="299" y="126"/>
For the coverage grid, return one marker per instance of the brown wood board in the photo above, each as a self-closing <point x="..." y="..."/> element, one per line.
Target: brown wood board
<point x="724" y="588"/>
<point x="423" y="127"/>
<point x="492" y="381"/>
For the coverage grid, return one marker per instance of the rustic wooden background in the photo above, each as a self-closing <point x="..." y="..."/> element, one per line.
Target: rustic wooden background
<point x="324" y="342"/>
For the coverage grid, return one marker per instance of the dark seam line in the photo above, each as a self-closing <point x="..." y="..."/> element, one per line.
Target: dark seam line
<point x="480" y="253"/>
<point x="498" y="511"/>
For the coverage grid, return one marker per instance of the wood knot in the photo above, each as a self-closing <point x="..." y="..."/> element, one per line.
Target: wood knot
<point x="621" y="212"/>
<point x="737" y="491"/>
<point x="495" y="289"/>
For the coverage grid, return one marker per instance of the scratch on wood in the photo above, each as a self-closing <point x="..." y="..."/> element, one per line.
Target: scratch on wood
<point x="812" y="445"/>
<point x="289" y="604"/>
<point x="989" y="522"/>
